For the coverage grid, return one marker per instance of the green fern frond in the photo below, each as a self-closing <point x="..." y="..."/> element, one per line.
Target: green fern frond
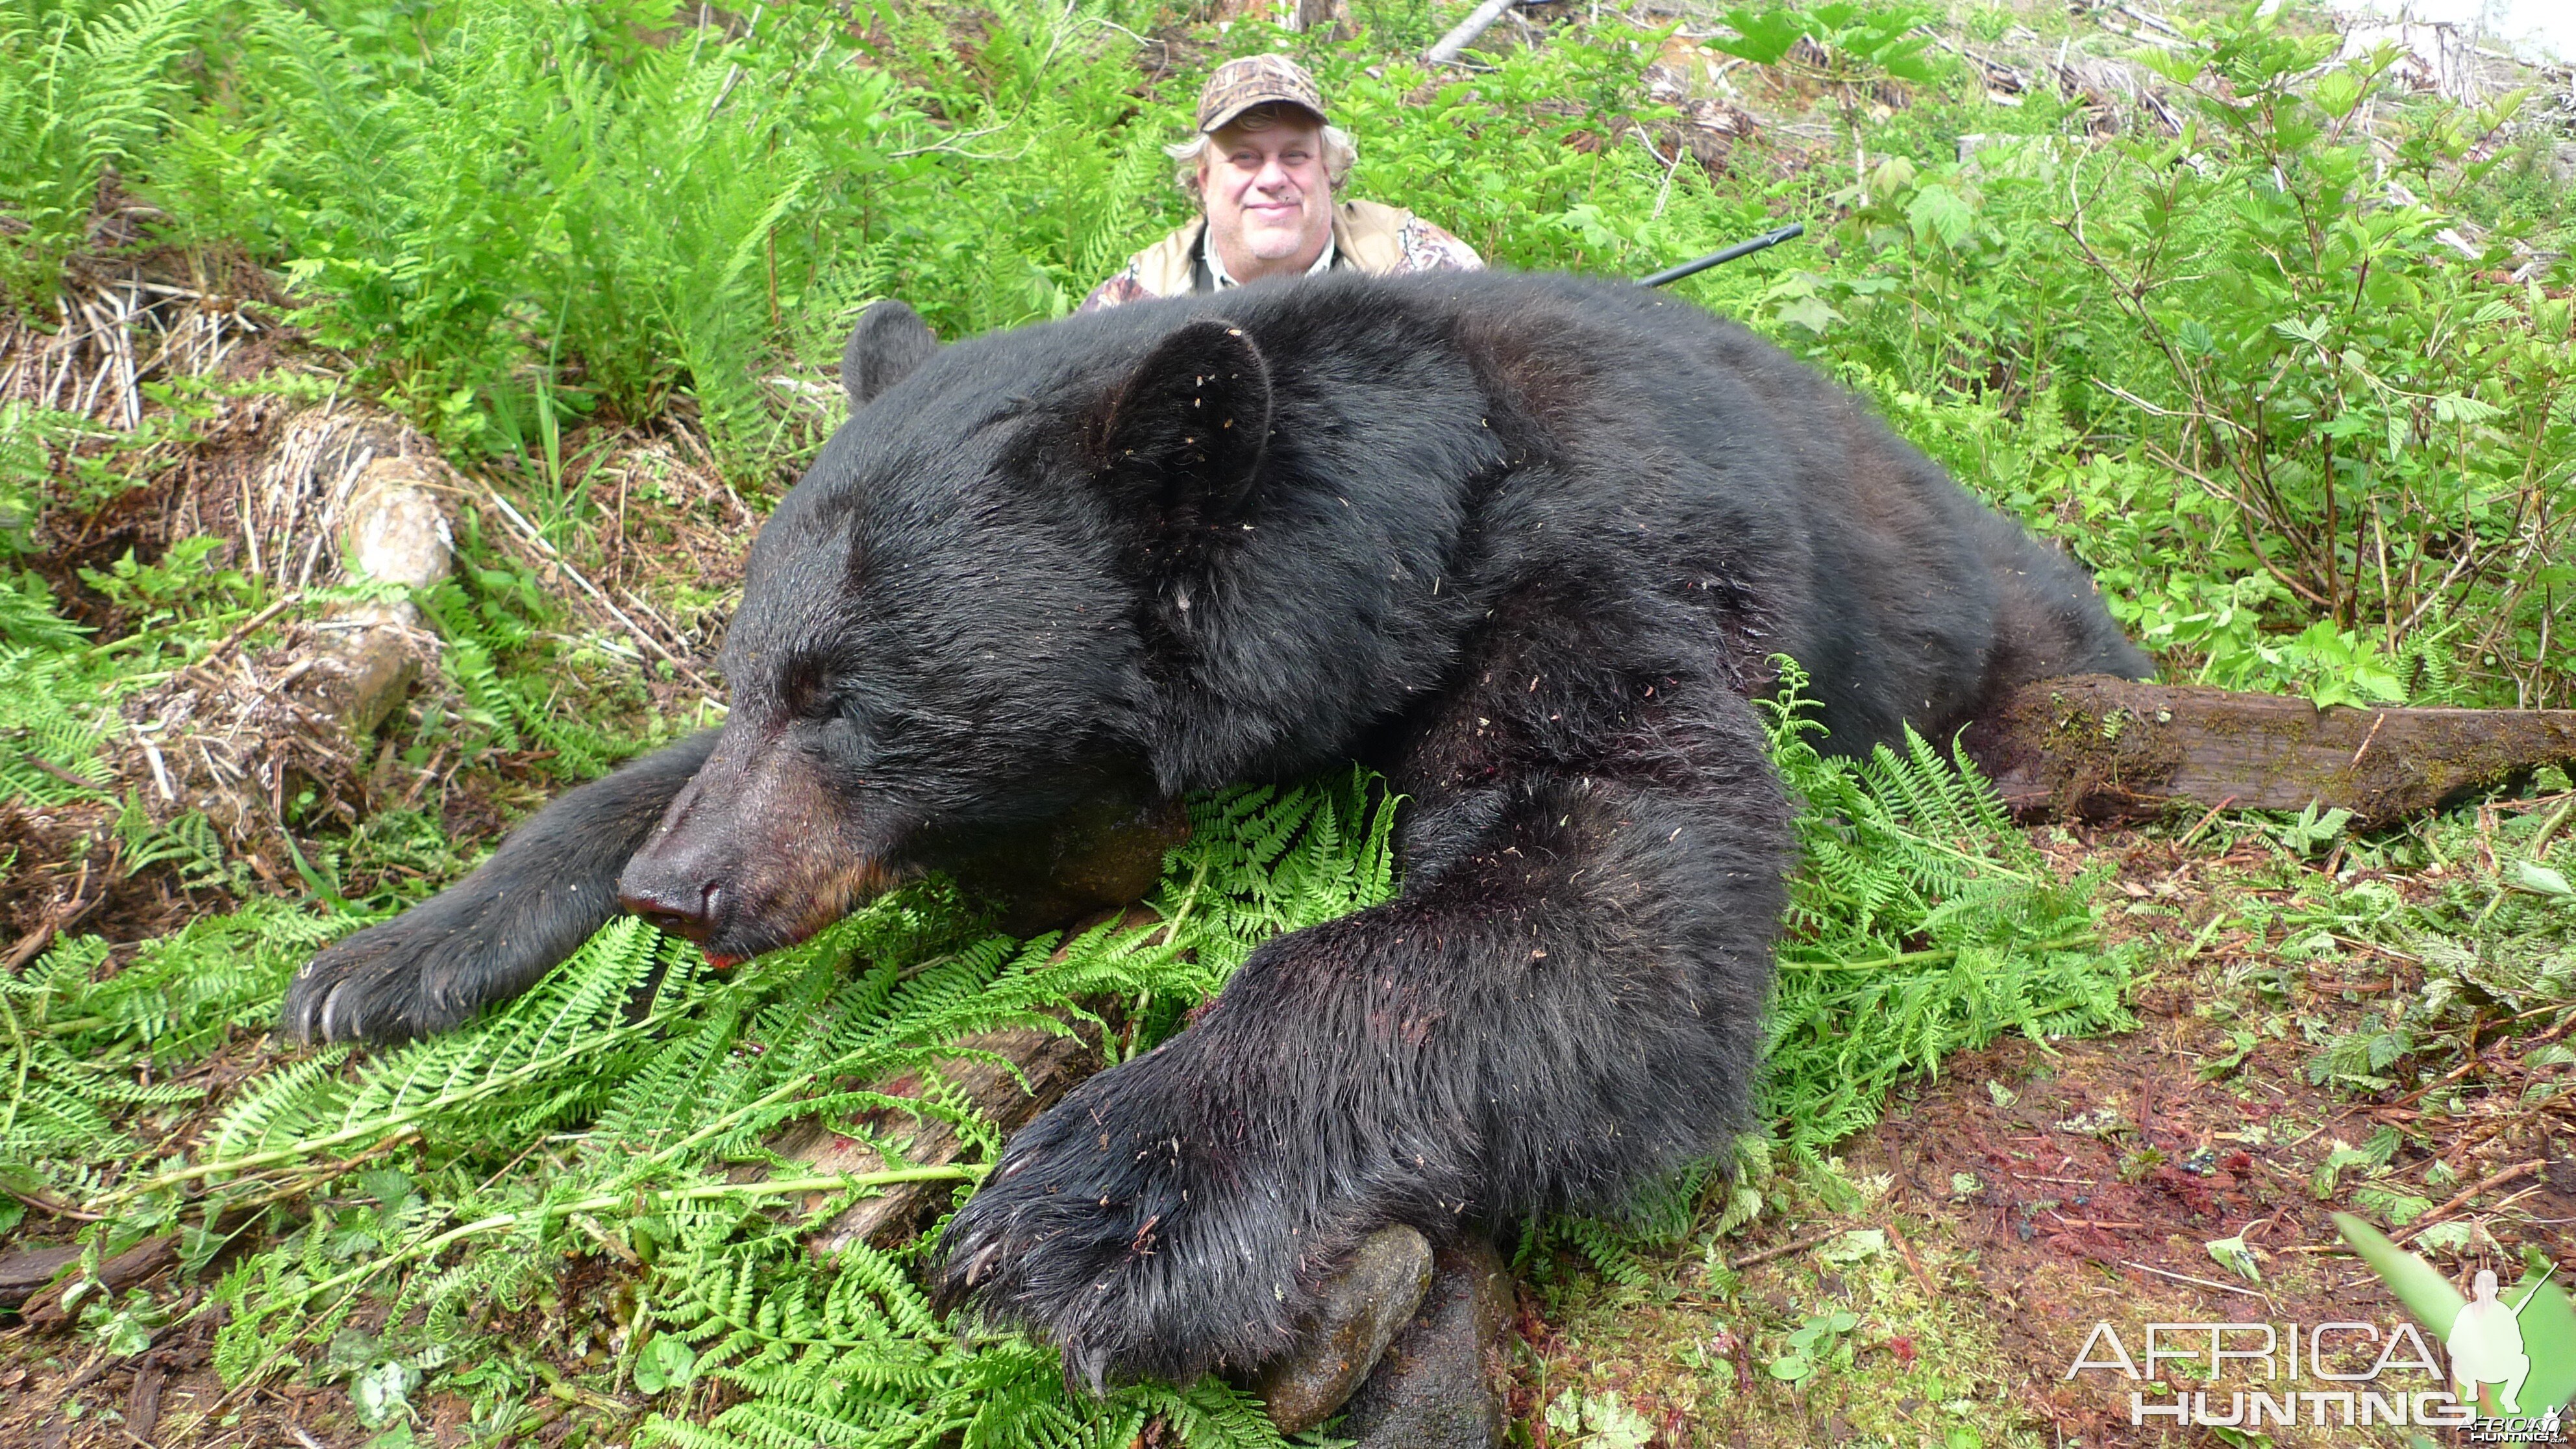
<point x="1921" y="923"/>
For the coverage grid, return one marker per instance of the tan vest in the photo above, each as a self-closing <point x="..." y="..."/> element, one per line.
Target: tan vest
<point x="1368" y="235"/>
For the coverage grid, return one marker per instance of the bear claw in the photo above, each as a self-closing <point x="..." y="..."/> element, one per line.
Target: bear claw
<point x="1125" y="1243"/>
<point x="376" y="986"/>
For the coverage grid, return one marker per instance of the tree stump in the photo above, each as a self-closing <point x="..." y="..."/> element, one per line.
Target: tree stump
<point x="393" y="529"/>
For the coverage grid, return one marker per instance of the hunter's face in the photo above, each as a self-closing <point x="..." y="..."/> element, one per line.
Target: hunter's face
<point x="1269" y="201"/>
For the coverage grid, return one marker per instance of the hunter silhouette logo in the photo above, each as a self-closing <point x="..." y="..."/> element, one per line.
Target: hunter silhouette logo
<point x="2512" y="1351"/>
<point x="2486" y="1345"/>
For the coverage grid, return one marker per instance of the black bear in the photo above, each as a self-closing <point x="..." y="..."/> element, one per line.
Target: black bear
<point x="1524" y="544"/>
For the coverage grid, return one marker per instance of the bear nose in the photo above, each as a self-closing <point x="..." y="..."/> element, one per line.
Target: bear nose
<point x="680" y="910"/>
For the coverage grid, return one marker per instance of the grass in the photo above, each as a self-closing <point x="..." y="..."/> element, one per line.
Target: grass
<point x="599" y="258"/>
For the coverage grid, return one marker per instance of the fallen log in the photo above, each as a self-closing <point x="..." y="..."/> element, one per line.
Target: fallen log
<point x="1095" y="860"/>
<point x="28" y="1277"/>
<point x="393" y="529"/>
<point x="1448" y="47"/>
<point x="2094" y="747"/>
<point x="27" y="1271"/>
<point x="1050" y="1063"/>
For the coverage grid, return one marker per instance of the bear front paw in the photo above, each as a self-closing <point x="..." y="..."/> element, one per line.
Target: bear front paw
<point x="1141" y="1246"/>
<point x="438" y="963"/>
<point x="405" y="978"/>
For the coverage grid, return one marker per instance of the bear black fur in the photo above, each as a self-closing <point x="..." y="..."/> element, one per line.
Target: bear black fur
<point x="1522" y="543"/>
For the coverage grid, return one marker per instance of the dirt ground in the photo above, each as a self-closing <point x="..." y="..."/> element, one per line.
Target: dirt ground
<point x="2035" y="1190"/>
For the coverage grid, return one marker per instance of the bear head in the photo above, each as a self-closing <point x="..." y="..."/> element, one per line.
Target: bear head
<point x="946" y="631"/>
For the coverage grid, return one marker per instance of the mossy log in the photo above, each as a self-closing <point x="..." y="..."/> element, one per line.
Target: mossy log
<point x="1095" y="860"/>
<point x="2093" y="747"/>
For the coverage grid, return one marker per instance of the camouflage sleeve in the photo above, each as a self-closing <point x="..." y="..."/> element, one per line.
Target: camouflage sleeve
<point x="1120" y="289"/>
<point x="1429" y="249"/>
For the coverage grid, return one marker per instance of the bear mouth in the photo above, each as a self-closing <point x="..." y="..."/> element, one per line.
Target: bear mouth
<point x="738" y="916"/>
<point x="780" y="913"/>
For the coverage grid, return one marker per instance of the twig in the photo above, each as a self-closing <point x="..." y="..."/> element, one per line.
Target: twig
<point x="2487" y="1183"/>
<point x="2462" y="1070"/>
<point x="59" y="773"/>
<point x="233" y="640"/>
<point x="1664" y="192"/>
<point x="1784" y="1250"/>
<point x="2091" y="1222"/>
<point x="34" y="943"/>
<point x="2194" y="833"/>
<point x="152" y="756"/>
<point x="2517" y="1197"/>
<point x="2376" y="721"/>
<point x="645" y="607"/>
<point x="529" y="531"/>
<point x="2156" y="22"/>
<point x="46" y="1202"/>
<point x="2199" y="1282"/>
<point x="950" y="146"/>
<point x="726" y="90"/>
<point x="1897" y="1235"/>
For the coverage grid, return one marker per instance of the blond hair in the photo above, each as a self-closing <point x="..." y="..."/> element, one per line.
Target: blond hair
<point x="1340" y="152"/>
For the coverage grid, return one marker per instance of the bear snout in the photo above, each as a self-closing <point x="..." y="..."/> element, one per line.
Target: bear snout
<point x="758" y="852"/>
<point x="671" y="906"/>
<point x="734" y="905"/>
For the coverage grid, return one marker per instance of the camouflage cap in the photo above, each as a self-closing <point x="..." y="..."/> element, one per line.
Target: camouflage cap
<point x="1256" y="80"/>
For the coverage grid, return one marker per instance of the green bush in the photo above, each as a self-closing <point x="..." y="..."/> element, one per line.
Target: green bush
<point x="83" y="87"/>
<point x="2304" y="442"/>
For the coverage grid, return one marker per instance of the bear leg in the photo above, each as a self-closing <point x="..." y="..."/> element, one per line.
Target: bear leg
<point x="491" y="935"/>
<point x="1565" y="1001"/>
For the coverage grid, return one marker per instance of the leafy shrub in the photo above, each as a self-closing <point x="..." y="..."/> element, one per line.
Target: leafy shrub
<point x="83" y="86"/>
<point x="2245" y="366"/>
<point x="2383" y="428"/>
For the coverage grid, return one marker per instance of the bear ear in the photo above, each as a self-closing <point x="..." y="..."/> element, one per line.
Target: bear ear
<point x="1184" y="435"/>
<point x="889" y="342"/>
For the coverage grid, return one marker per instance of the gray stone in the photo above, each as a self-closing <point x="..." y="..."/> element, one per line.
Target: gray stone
<point x="1366" y="1302"/>
<point x="1440" y="1383"/>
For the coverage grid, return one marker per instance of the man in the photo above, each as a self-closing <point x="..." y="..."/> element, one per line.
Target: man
<point x="1263" y="166"/>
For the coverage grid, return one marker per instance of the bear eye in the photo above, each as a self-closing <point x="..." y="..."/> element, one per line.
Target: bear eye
<point x="808" y="691"/>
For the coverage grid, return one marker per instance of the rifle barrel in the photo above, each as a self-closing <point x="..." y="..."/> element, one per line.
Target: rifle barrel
<point x="1742" y="248"/>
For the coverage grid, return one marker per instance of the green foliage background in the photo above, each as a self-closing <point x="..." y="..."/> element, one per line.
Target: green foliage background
<point x="2305" y="443"/>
